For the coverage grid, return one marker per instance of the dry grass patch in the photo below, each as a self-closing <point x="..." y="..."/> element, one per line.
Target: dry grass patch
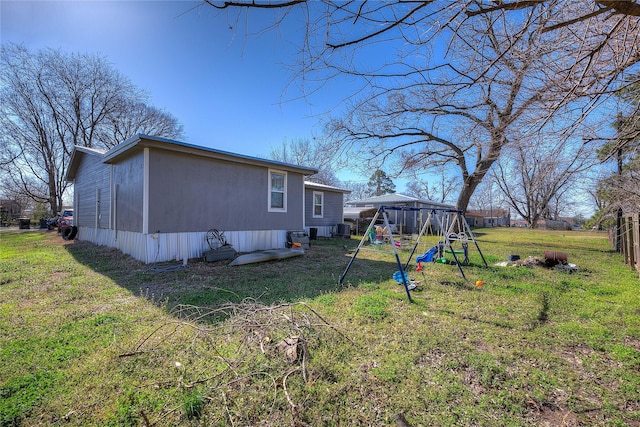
<point x="92" y="337"/>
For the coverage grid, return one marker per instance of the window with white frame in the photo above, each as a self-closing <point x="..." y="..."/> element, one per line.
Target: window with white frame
<point x="277" y="191"/>
<point x="318" y="204"/>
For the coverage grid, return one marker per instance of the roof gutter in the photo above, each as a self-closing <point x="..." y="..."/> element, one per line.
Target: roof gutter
<point x="168" y="144"/>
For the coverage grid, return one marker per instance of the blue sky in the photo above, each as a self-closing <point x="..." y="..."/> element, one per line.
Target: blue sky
<point x="229" y="89"/>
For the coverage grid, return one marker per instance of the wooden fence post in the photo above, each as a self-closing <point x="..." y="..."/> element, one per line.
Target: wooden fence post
<point x="629" y="237"/>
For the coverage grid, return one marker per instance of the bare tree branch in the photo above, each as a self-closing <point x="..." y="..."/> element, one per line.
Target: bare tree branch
<point x="53" y="101"/>
<point x="440" y="82"/>
<point x="254" y="4"/>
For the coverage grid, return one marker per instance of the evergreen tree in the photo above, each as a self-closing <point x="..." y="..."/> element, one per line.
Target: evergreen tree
<point x="381" y="184"/>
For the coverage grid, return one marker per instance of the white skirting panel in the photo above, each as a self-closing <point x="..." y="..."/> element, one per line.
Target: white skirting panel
<point x="160" y="247"/>
<point x="174" y="246"/>
<point x="132" y="244"/>
<point x="249" y="241"/>
<point x="99" y="236"/>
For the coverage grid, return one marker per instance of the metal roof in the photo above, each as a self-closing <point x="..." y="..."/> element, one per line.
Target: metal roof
<point x="395" y="199"/>
<point x="142" y="141"/>
<point x="164" y="143"/>
<point x="319" y="186"/>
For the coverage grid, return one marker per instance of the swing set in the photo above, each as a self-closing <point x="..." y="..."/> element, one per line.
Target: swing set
<point x="454" y="235"/>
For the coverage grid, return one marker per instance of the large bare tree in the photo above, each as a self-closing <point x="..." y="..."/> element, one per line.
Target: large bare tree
<point x="52" y="101"/>
<point x="438" y="187"/>
<point x="302" y="151"/>
<point x="454" y="82"/>
<point x="488" y="196"/>
<point x="536" y="179"/>
<point x="499" y="81"/>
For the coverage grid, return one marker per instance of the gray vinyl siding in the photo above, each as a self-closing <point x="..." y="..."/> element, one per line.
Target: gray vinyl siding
<point x="332" y="212"/>
<point x="90" y="185"/>
<point x="190" y="190"/>
<point x="190" y="193"/>
<point x="128" y="178"/>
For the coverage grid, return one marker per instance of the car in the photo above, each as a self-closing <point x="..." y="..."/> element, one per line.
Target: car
<point x="66" y="219"/>
<point x="65" y="225"/>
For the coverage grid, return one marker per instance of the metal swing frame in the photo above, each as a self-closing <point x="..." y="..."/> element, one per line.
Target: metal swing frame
<point x="455" y="218"/>
<point x="382" y="210"/>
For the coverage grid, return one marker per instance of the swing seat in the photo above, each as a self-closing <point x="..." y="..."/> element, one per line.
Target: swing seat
<point x="427" y="256"/>
<point x="375" y="239"/>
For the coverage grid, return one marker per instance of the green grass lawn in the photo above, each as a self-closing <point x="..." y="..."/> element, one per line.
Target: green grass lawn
<point x="92" y="337"/>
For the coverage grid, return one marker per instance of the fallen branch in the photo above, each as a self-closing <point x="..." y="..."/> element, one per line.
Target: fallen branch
<point x="233" y="334"/>
<point x="226" y="407"/>
<point x="144" y="417"/>
<point x="284" y="387"/>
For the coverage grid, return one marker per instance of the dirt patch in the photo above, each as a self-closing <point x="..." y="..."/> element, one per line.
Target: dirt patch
<point x="632" y="342"/>
<point x="575" y="355"/>
<point x="558" y="417"/>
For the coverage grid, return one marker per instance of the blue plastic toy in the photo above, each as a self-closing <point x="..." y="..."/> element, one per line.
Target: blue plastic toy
<point x="400" y="277"/>
<point x="427" y="256"/>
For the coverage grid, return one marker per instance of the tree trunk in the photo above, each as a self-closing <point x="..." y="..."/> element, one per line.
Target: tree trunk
<point x="55" y="193"/>
<point x="53" y="201"/>
<point x="618" y="233"/>
<point x="471" y="182"/>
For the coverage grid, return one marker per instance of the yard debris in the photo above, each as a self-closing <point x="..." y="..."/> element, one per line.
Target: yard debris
<point x="255" y="327"/>
<point x="255" y="324"/>
<point x="552" y="259"/>
<point x="567" y="268"/>
<point x="529" y="261"/>
<point x="221" y="253"/>
<point x="220" y="248"/>
<point x="292" y="347"/>
<point x="300" y="237"/>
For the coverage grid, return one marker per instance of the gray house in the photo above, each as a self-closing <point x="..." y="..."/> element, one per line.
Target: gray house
<point x="489" y="218"/>
<point x="323" y="208"/>
<point x="155" y="199"/>
<point x="406" y="221"/>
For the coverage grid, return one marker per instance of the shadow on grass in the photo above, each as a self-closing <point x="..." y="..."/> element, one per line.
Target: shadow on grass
<point x="210" y="284"/>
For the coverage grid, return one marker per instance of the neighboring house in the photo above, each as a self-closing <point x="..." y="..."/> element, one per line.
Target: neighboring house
<point x="519" y="223"/>
<point x="548" y="224"/>
<point x="406" y="221"/>
<point x="489" y="218"/>
<point x="155" y="199"/>
<point x="9" y="211"/>
<point x="323" y="208"/>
